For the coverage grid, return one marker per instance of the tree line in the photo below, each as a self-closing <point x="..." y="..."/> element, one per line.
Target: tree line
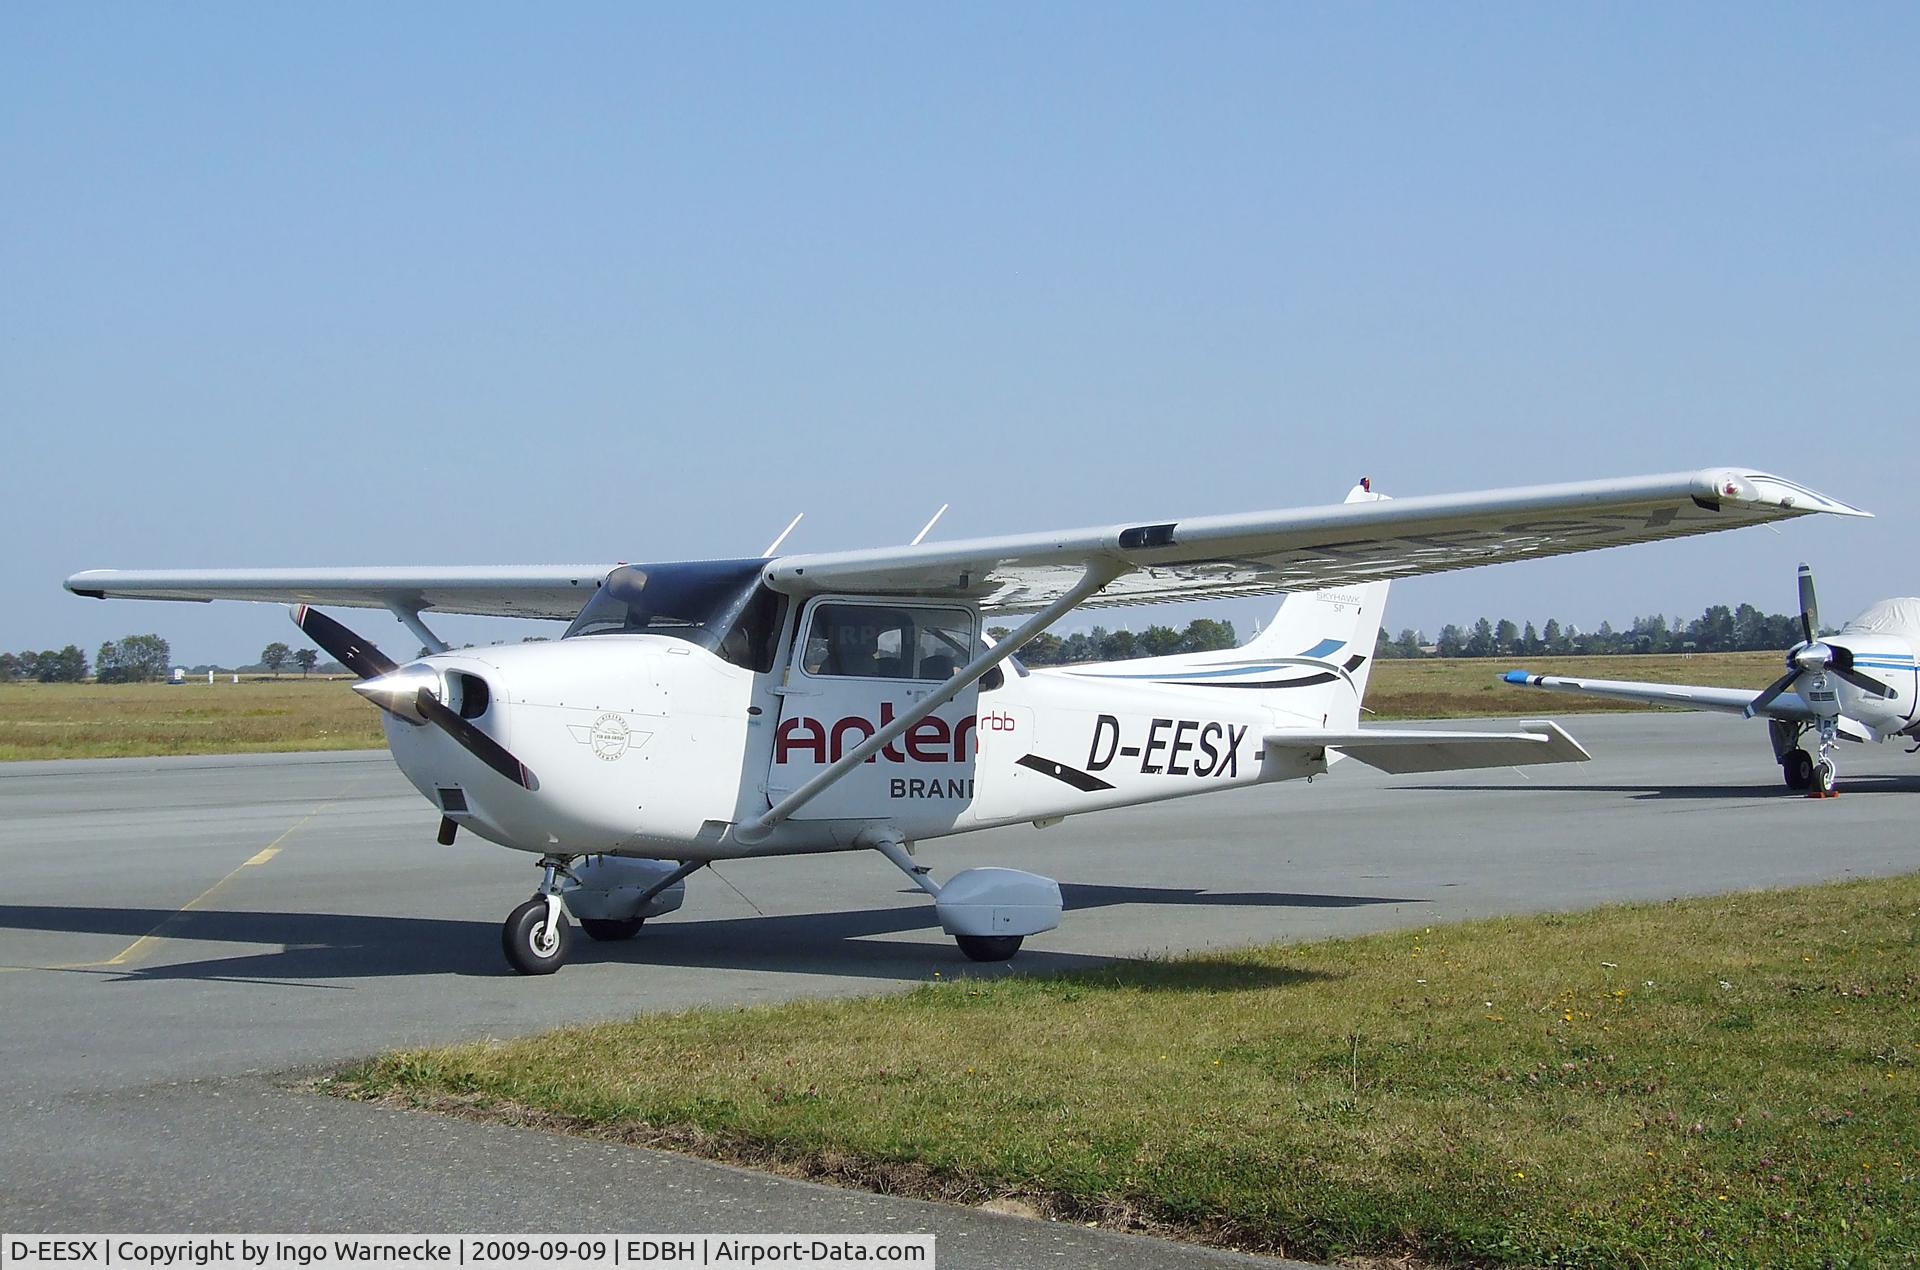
<point x="130" y="660"/>
<point x="145" y="658"/>
<point x="276" y="655"/>
<point x="1203" y="635"/>
<point x="1718" y="630"/>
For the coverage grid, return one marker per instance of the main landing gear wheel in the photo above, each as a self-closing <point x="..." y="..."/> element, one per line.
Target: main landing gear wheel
<point x="1797" y="767"/>
<point x="531" y="947"/>
<point x="608" y="929"/>
<point x="988" y="947"/>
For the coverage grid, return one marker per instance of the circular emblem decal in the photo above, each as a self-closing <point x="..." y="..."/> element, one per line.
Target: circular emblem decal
<point x="609" y="737"/>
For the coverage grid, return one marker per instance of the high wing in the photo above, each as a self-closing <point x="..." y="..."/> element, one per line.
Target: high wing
<point x="1194" y="558"/>
<point x="1403" y="750"/>
<point x="549" y="591"/>
<point x="1312" y="548"/>
<point x="1788" y="705"/>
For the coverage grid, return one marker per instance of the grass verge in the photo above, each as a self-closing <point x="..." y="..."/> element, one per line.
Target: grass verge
<point x="1470" y="687"/>
<point x="39" y="721"/>
<point x="1726" y="1081"/>
<point x="43" y="721"/>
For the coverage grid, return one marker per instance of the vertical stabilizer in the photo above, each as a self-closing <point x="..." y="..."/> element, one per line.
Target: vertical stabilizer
<point x="1338" y="626"/>
<point x="1311" y="661"/>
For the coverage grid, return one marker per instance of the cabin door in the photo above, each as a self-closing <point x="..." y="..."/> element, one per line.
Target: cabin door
<point x="858" y="665"/>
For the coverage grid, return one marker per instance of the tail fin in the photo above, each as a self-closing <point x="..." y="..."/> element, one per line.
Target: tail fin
<point x="1311" y="661"/>
<point x="1338" y="626"/>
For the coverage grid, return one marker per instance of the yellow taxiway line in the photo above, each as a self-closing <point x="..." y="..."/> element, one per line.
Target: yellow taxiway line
<point x="178" y="918"/>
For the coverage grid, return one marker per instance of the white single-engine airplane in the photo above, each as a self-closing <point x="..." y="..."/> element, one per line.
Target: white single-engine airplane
<point x="1861" y="684"/>
<point x="723" y="709"/>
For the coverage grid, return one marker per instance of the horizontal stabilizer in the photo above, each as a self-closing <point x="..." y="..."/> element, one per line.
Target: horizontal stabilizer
<point x="1404" y="750"/>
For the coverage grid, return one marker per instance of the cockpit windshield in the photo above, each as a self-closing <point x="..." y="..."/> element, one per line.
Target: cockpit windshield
<point x="699" y="602"/>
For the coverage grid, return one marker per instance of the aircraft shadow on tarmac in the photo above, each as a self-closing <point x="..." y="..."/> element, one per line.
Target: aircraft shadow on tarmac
<point x="323" y="946"/>
<point x="1865" y="784"/>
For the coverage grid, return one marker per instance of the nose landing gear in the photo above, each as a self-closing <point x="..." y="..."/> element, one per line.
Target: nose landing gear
<point x="1814" y="773"/>
<point x="535" y="936"/>
<point x="611" y="898"/>
<point x="1826" y="773"/>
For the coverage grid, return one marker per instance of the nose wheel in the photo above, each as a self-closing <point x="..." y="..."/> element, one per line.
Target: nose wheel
<point x="1825" y="776"/>
<point x="536" y="935"/>
<point x="1826" y="773"/>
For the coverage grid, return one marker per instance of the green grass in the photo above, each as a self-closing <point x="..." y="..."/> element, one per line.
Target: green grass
<point x="1440" y="688"/>
<point x="40" y="721"/>
<point x="121" y="720"/>
<point x="1715" y="1082"/>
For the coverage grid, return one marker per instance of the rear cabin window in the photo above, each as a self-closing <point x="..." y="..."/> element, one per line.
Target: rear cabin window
<point x="871" y="641"/>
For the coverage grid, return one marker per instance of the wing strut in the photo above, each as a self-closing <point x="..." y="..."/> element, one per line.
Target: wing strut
<point x="410" y="618"/>
<point x="1098" y="573"/>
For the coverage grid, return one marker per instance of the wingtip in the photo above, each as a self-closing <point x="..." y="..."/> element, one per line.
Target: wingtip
<point x="1517" y="677"/>
<point x="1753" y="485"/>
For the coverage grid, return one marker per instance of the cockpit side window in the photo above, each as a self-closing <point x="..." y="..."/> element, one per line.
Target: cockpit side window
<point x="871" y="641"/>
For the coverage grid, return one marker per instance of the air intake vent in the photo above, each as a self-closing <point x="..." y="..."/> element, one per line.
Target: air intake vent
<point x="475" y="696"/>
<point x="1141" y="536"/>
<point x="452" y="799"/>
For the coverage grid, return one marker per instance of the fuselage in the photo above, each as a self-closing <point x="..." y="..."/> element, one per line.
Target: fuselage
<point x="650" y="745"/>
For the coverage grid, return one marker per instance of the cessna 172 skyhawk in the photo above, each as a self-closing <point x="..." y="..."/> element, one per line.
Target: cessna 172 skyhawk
<point x="723" y="709"/>
<point x="1861" y="684"/>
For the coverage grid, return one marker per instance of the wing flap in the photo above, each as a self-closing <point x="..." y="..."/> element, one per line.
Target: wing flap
<point x="1405" y="750"/>
<point x="1314" y="548"/>
<point x="542" y="591"/>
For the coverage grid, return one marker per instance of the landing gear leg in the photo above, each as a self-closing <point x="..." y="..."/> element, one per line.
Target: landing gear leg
<point x="1826" y="772"/>
<point x="976" y="947"/>
<point x="535" y="935"/>
<point x="989" y="912"/>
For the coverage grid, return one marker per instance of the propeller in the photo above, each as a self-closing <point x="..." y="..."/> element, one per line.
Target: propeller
<point x="345" y="647"/>
<point x="476" y="742"/>
<point x="1813" y="656"/>
<point x="1771" y="693"/>
<point x="406" y="693"/>
<point x="1809" y="610"/>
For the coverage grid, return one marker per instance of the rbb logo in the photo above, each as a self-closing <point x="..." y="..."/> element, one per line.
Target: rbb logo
<point x="997" y="721"/>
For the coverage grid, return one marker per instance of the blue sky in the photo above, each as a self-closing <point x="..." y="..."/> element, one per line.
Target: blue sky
<point x="368" y="284"/>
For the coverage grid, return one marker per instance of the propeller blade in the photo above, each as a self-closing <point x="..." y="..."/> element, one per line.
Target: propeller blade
<point x="1809" y="611"/>
<point x="1872" y="687"/>
<point x="1771" y="693"/>
<point x="350" y="650"/>
<point x="476" y="742"/>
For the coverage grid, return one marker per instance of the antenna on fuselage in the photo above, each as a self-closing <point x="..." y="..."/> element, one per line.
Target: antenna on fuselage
<point x="775" y="544"/>
<point x="925" y="529"/>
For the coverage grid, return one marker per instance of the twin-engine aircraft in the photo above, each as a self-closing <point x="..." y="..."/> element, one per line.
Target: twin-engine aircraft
<point x="1860" y="684"/>
<point x="723" y="709"/>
